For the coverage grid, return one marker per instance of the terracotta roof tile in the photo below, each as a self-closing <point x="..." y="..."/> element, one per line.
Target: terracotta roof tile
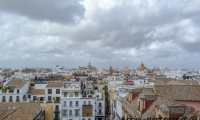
<point x="36" y="91"/>
<point x="179" y="92"/>
<point x="22" y="111"/>
<point x="19" y="83"/>
<point x="55" y="84"/>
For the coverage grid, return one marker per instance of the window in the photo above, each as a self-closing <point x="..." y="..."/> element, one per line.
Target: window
<point x="70" y="94"/>
<point x="57" y="107"/>
<point x="70" y="112"/>
<point x="49" y="98"/>
<point x="89" y="118"/>
<point x="89" y="102"/>
<point x="57" y="91"/>
<point x="64" y="113"/>
<point x="100" y="105"/>
<point x="76" y="94"/>
<point x="97" y="95"/>
<point x="76" y="103"/>
<point x="17" y="99"/>
<point x="10" y="100"/>
<point x="76" y="112"/>
<point x="65" y="94"/>
<point x="84" y="102"/>
<point x="49" y="91"/>
<point x="64" y="103"/>
<point x="70" y="103"/>
<point x="34" y="97"/>
<point x="4" y="99"/>
<point x="17" y="90"/>
<point x="29" y="96"/>
<point x="99" y="111"/>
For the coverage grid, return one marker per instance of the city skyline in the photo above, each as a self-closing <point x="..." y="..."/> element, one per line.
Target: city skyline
<point x="107" y="33"/>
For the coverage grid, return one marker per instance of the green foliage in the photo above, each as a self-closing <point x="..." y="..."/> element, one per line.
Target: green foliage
<point x="5" y="89"/>
<point x="92" y="92"/>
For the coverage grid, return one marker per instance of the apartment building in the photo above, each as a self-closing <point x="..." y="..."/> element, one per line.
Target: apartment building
<point x="53" y="93"/>
<point x="81" y="102"/>
<point x="14" y="91"/>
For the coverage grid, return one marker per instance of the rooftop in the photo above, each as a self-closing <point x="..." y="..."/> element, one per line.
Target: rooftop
<point x="19" y="83"/>
<point x="55" y="84"/>
<point x="18" y="111"/>
<point x="36" y="91"/>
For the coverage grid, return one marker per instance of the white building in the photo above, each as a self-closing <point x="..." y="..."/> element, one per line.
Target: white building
<point x="14" y="91"/>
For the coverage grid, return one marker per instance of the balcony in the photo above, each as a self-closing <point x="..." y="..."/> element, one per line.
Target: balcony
<point x="57" y="101"/>
<point x="11" y="91"/>
<point x="3" y="100"/>
<point x="56" y="118"/>
<point x="17" y="100"/>
<point x="10" y="100"/>
<point x="57" y="110"/>
<point x="71" y="106"/>
<point x="99" y="114"/>
<point x="100" y="106"/>
<point x="87" y="106"/>
<point x="77" y="115"/>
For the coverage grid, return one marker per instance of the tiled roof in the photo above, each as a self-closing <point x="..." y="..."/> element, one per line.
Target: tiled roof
<point x="18" y="111"/>
<point x="172" y="105"/>
<point x="19" y="83"/>
<point x="179" y="92"/>
<point x="193" y="82"/>
<point x="191" y="112"/>
<point x="55" y="84"/>
<point x="164" y="80"/>
<point x="173" y="82"/>
<point x="36" y="91"/>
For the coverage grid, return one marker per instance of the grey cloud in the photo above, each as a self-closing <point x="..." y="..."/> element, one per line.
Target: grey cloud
<point x="64" y="11"/>
<point x="47" y="36"/>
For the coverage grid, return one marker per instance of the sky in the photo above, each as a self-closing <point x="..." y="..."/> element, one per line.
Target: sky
<point x="117" y="33"/>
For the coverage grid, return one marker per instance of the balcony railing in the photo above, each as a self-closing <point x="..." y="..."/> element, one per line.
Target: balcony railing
<point x="100" y="114"/>
<point x="71" y="115"/>
<point x="3" y="100"/>
<point x="76" y="105"/>
<point x="56" y="118"/>
<point x="71" y="106"/>
<point x="17" y="100"/>
<point x="57" y="101"/>
<point x="100" y="106"/>
<point x="10" y="100"/>
<point x="87" y="106"/>
<point x="11" y="91"/>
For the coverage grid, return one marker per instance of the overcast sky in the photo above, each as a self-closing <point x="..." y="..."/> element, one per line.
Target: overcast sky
<point x="70" y="33"/>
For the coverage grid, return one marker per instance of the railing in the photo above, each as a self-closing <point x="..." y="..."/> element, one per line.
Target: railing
<point x="11" y="91"/>
<point x="57" y="109"/>
<point x="99" y="114"/>
<point x="56" y="118"/>
<point x="10" y="100"/>
<point x="76" y="105"/>
<point x="100" y="106"/>
<point x="17" y="100"/>
<point x="57" y="101"/>
<point x="86" y="106"/>
<point x="3" y="100"/>
<point x="71" y="106"/>
<point x="71" y="115"/>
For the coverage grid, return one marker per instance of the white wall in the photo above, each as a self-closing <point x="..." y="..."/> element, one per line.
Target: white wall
<point x="40" y="86"/>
